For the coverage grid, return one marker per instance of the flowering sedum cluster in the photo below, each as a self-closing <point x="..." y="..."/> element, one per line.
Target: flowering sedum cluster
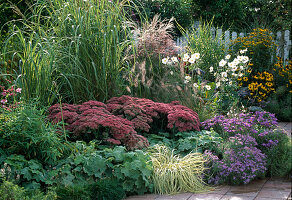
<point x="9" y="96"/>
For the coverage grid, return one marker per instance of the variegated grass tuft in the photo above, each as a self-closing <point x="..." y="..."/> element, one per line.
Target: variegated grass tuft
<point x="174" y="174"/>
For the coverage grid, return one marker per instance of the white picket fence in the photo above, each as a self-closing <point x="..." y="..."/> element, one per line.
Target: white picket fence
<point x="281" y="38"/>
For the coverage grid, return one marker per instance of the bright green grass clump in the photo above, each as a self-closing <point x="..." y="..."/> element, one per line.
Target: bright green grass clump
<point x="174" y="174"/>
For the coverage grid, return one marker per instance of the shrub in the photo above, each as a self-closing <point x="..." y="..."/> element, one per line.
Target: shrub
<point x="92" y="120"/>
<point x="74" y="192"/>
<point x="280" y="101"/>
<point x="241" y="162"/>
<point x="25" y="131"/>
<point x="11" y="191"/>
<point x="153" y="40"/>
<point x="173" y="174"/>
<point x="200" y="40"/>
<point x="261" y="51"/>
<point x="107" y="189"/>
<point x="149" y="116"/>
<point x="185" y="142"/>
<point x="77" y="55"/>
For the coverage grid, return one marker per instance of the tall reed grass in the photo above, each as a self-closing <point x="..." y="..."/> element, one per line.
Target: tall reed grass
<point x="71" y="48"/>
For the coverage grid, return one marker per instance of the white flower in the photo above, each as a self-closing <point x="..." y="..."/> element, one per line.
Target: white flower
<point x="230" y="82"/>
<point x="186" y="57"/>
<point x="211" y="69"/>
<point x="241" y="67"/>
<point x="188" y="78"/>
<point x="224" y="74"/>
<point x="231" y="64"/>
<point x="196" y="56"/>
<point x="192" y="60"/>
<point x="165" y="60"/>
<point x="186" y="81"/>
<point x="222" y="63"/>
<point x="195" y="85"/>
<point x="236" y="61"/>
<point x="234" y="68"/>
<point x="174" y="59"/>
<point x="240" y="74"/>
<point x="227" y="56"/>
<point x="171" y="72"/>
<point x="218" y="84"/>
<point x="208" y="87"/>
<point x="245" y="59"/>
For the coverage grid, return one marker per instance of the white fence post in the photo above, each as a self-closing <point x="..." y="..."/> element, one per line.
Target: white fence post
<point x="282" y="40"/>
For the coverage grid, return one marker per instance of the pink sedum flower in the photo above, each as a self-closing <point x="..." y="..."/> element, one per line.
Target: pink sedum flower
<point x="4" y="101"/>
<point x="18" y="90"/>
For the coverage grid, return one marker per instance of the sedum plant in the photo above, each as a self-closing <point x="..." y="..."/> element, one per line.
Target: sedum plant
<point x="174" y="174"/>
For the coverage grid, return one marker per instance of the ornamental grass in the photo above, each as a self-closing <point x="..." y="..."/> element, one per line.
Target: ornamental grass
<point x="174" y="174"/>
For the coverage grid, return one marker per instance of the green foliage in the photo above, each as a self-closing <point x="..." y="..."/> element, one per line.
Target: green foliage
<point x="73" y="52"/>
<point x="200" y="40"/>
<point x="132" y="169"/>
<point x="11" y="191"/>
<point x="27" y="173"/>
<point x="74" y="192"/>
<point x="279" y="155"/>
<point x="107" y="189"/>
<point x="25" y="131"/>
<point x="167" y="9"/>
<point x="185" y="142"/>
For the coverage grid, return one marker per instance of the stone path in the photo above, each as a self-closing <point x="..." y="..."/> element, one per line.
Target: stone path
<point x="265" y="189"/>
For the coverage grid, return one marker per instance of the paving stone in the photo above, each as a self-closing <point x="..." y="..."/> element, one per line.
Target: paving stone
<point x="278" y="184"/>
<point x="206" y="197"/>
<point x="143" y="197"/>
<point x="220" y="190"/>
<point x="182" y="196"/>
<point x="264" y="198"/>
<point x="245" y="190"/>
<point x="236" y="197"/>
<point x="276" y="193"/>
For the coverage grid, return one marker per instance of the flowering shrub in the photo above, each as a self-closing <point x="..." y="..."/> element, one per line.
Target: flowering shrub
<point x="92" y="119"/>
<point x="241" y="163"/>
<point x="10" y="95"/>
<point x="261" y="49"/>
<point x="146" y="115"/>
<point x="256" y="124"/>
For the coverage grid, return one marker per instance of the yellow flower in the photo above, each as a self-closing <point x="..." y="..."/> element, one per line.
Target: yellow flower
<point x="245" y="78"/>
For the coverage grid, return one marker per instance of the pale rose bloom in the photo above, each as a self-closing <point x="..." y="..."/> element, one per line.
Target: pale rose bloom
<point x="211" y="69"/>
<point x="18" y="90"/>
<point x="4" y="101"/>
<point x="222" y="63"/>
<point x="208" y="87"/>
<point x="165" y="61"/>
<point x="174" y="59"/>
<point x="227" y="56"/>
<point x="192" y="60"/>
<point x="195" y="85"/>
